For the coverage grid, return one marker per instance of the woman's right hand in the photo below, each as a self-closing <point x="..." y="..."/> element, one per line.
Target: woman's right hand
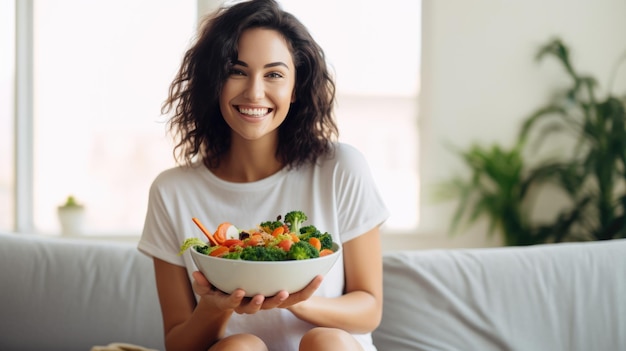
<point x="218" y="299"/>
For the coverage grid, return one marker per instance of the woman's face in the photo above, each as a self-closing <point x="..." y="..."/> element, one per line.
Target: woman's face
<point x="259" y="89"/>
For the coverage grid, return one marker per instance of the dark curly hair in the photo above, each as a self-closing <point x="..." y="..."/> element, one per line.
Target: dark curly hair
<point x="309" y="129"/>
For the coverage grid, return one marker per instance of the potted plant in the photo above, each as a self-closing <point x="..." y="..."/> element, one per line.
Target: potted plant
<point x="592" y="176"/>
<point x="71" y="215"/>
<point x="498" y="188"/>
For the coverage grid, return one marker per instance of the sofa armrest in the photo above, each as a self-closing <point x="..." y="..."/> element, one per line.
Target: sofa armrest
<point x="74" y="294"/>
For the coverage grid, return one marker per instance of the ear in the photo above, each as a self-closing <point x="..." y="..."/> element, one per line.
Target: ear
<point x="293" y="96"/>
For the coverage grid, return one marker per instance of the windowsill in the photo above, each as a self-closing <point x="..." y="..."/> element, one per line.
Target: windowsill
<point x="132" y="238"/>
<point x="123" y="237"/>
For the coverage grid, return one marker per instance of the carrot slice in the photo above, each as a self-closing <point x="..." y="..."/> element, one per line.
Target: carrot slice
<point x="316" y="243"/>
<point x="326" y="252"/>
<point x="220" y="233"/>
<point x="278" y="231"/>
<point x="219" y="251"/>
<point x="205" y="231"/>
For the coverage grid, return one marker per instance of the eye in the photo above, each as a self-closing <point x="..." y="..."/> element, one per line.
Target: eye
<point x="236" y="72"/>
<point x="275" y="75"/>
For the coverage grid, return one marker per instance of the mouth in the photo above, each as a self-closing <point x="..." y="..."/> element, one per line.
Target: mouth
<point x="253" y="111"/>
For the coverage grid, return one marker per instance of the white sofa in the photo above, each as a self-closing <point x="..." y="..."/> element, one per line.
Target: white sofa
<point x="60" y="294"/>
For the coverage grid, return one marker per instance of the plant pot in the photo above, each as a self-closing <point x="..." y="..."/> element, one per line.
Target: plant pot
<point x="72" y="220"/>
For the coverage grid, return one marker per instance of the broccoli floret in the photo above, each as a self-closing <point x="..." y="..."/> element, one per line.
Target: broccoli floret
<point x="325" y="239"/>
<point x="302" y="250"/>
<point x="308" y="229"/>
<point x="203" y="249"/>
<point x="269" y="226"/>
<point x="233" y="255"/>
<point x="294" y="220"/>
<point x="262" y="253"/>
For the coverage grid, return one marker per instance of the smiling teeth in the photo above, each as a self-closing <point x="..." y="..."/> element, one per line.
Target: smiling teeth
<point x="254" y="111"/>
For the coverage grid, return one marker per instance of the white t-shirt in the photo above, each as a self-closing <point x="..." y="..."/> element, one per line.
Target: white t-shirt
<point x="338" y="195"/>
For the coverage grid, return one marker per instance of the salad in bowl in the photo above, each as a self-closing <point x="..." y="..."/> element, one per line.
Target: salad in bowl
<point x="280" y="254"/>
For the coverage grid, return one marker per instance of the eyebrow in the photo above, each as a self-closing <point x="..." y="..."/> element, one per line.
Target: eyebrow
<point x="269" y="65"/>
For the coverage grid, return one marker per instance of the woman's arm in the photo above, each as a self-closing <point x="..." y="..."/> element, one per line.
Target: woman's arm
<point x="186" y="326"/>
<point x="359" y="310"/>
<point x="189" y="326"/>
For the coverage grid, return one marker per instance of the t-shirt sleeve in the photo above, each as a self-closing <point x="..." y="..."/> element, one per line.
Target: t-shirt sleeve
<point x="360" y="206"/>
<point x="159" y="237"/>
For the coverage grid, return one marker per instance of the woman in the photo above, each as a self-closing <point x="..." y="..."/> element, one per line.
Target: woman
<point x="253" y="116"/>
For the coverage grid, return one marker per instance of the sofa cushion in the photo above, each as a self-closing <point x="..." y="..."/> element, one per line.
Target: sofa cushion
<point x="50" y="284"/>
<point x="566" y="297"/>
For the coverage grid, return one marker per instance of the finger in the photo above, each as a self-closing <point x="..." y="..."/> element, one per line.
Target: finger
<point x="275" y="301"/>
<point x="221" y="299"/>
<point x="200" y="278"/>
<point x="308" y="290"/>
<point x="228" y="301"/>
<point x="313" y="285"/>
<point x="237" y="296"/>
<point x="251" y="306"/>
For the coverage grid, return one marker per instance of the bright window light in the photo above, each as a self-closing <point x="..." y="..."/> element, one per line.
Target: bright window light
<point x="100" y="80"/>
<point x="374" y="49"/>
<point x="7" y="140"/>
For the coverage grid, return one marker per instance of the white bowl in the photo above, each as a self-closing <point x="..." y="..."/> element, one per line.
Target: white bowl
<point x="261" y="277"/>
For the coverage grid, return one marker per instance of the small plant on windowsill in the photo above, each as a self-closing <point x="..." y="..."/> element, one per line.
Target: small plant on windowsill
<point x="71" y="215"/>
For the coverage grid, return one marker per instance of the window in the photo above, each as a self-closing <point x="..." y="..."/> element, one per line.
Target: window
<point x="98" y="88"/>
<point x="7" y="141"/>
<point x="374" y="49"/>
<point x="99" y="82"/>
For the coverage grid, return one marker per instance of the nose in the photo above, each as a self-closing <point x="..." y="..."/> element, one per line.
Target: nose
<point x="255" y="89"/>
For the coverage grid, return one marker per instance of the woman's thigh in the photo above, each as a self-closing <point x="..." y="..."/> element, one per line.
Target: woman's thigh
<point x="239" y="342"/>
<point x="329" y="339"/>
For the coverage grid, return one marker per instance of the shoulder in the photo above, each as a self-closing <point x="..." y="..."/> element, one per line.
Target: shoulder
<point x="178" y="176"/>
<point x="345" y="165"/>
<point x="345" y="156"/>
<point x="347" y="150"/>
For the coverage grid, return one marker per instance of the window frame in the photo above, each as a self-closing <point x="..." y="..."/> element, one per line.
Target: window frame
<point x="24" y="117"/>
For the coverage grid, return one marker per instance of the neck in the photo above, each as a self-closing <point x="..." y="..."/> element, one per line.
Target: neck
<point x="249" y="161"/>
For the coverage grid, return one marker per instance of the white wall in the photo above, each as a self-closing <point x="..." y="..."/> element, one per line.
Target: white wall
<point x="480" y="79"/>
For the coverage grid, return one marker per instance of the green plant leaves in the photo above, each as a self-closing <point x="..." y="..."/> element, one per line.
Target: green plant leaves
<point x="593" y="176"/>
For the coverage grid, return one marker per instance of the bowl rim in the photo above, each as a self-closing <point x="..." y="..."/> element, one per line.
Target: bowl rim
<point x="337" y="250"/>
